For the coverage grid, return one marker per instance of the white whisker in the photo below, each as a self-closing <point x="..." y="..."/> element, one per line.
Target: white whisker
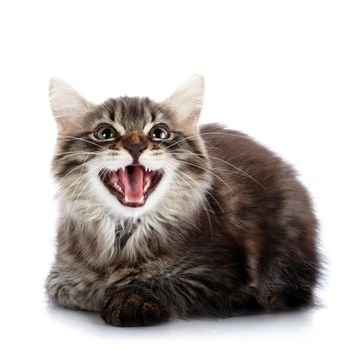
<point x="79" y="139"/>
<point x="239" y="170"/>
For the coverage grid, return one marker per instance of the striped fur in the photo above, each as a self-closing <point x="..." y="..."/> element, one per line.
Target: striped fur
<point x="229" y="230"/>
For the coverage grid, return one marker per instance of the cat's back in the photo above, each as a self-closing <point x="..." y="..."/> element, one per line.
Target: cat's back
<point x="237" y="148"/>
<point x="249" y="178"/>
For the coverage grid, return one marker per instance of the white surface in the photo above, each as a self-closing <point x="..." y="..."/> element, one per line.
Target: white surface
<point x="278" y="70"/>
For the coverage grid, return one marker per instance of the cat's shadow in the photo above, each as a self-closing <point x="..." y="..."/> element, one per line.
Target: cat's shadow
<point x="281" y="323"/>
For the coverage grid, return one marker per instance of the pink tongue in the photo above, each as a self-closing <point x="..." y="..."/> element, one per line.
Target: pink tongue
<point x="132" y="179"/>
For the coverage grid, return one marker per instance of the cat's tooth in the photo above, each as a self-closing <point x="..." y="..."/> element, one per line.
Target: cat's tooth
<point x="126" y="198"/>
<point x="142" y="199"/>
<point x="147" y="184"/>
<point x="123" y="168"/>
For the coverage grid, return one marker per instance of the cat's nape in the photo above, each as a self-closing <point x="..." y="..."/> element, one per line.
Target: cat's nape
<point x="160" y="218"/>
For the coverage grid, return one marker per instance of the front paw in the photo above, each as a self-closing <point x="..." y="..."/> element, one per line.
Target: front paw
<point x="132" y="307"/>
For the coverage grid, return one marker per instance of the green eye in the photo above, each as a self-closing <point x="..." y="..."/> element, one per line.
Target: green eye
<point x="105" y="132"/>
<point x="159" y="132"/>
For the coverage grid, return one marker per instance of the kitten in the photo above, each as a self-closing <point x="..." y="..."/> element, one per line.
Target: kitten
<point x="160" y="218"/>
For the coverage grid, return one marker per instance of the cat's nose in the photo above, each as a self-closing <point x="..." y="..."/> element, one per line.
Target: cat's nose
<point x="135" y="144"/>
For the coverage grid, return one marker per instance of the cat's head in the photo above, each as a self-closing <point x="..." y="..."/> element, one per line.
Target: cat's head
<point x="130" y="156"/>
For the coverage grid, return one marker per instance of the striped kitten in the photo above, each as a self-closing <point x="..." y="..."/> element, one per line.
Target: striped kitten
<point x="160" y="218"/>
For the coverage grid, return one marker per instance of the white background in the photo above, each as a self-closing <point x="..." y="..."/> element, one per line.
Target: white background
<point x="278" y="70"/>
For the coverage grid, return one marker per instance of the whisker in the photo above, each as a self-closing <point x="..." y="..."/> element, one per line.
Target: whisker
<point x="79" y="139"/>
<point x="239" y="170"/>
<point x="199" y="198"/>
<point x="71" y="171"/>
<point x="76" y="200"/>
<point x="177" y="192"/>
<point x="209" y="171"/>
<point x="208" y="193"/>
<point x="79" y="180"/>
<point x="76" y="154"/>
<point x="207" y="133"/>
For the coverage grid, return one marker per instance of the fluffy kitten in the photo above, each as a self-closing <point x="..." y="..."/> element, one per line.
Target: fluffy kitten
<point x="160" y="218"/>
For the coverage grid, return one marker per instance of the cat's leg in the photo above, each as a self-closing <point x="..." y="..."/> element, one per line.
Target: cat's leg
<point x="288" y="284"/>
<point x="134" y="305"/>
<point x="74" y="290"/>
<point x="179" y="296"/>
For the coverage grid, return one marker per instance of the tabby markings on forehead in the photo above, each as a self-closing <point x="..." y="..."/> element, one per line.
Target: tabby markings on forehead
<point x="157" y="117"/>
<point x="105" y="118"/>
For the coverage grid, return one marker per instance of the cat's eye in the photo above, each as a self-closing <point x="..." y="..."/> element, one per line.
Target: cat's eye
<point x="105" y="132"/>
<point x="159" y="132"/>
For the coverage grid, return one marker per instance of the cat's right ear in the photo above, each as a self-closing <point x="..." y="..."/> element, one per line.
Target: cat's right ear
<point x="68" y="107"/>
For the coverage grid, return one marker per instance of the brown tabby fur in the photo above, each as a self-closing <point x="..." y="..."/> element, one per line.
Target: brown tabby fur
<point x="247" y="245"/>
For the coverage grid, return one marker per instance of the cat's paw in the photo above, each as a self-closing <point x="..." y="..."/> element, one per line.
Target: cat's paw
<point x="133" y="307"/>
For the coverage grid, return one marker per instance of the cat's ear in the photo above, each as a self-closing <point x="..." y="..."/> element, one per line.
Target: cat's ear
<point x="187" y="102"/>
<point x="68" y="107"/>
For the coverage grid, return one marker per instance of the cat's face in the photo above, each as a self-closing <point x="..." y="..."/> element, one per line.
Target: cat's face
<point x="130" y="156"/>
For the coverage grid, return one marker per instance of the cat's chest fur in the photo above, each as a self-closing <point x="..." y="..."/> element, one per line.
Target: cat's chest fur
<point x="93" y="255"/>
<point x="110" y="244"/>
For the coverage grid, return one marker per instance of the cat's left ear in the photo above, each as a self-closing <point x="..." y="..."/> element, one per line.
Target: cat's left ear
<point x="68" y="107"/>
<point x="187" y="102"/>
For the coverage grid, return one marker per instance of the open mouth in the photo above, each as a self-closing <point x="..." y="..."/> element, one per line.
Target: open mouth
<point x="131" y="185"/>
